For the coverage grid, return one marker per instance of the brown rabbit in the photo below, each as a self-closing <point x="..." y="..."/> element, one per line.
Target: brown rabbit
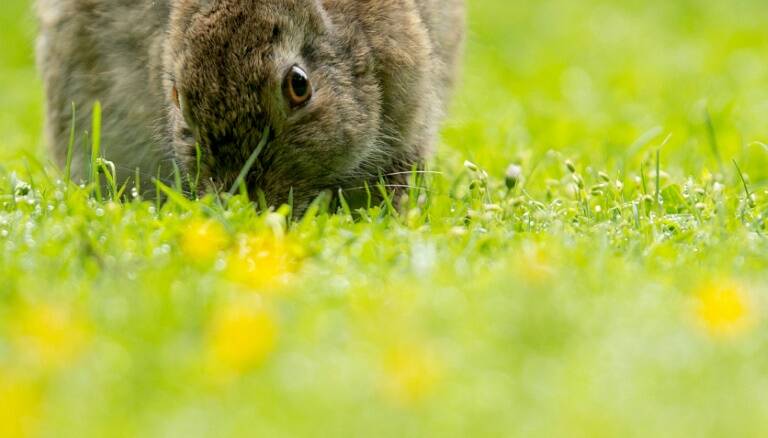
<point x="347" y="91"/>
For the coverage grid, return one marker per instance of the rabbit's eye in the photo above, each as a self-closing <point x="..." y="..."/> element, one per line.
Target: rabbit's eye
<point x="296" y="87"/>
<point x="175" y="97"/>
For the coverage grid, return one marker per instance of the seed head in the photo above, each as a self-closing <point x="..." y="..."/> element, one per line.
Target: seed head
<point x="471" y="166"/>
<point x="513" y="175"/>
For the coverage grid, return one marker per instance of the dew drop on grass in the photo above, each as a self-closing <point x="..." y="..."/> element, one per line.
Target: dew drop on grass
<point x="423" y="258"/>
<point x="340" y="284"/>
<point x="162" y="250"/>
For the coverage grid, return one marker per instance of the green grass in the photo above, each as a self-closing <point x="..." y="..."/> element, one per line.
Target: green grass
<point x="620" y="288"/>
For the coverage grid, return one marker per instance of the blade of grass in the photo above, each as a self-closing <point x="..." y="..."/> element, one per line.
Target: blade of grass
<point x="317" y="207"/>
<point x="386" y="195"/>
<point x="122" y="190"/>
<point x="110" y="174"/>
<point x="758" y="143"/>
<point x="369" y="195"/>
<point x="658" y="170"/>
<point x="96" y="148"/>
<point x="260" y="196"/>
<point x="642" y="141"/>
<point x="177" y="183"/>
<point x="158" y="191"/>
<point x="290" y="204"/>
<point x="250" y="162"/>
<point x="198" y="162"/>
<point x="344" y="204"/>
<point x="744" y="182"/>
<point x="658" y="178"/>
<point x="712" y="137"/>
<point x="70" y="146"/>
<point x="137" y="181"/>
<point x="174" y="196"/>
<point x="414" y="187"/>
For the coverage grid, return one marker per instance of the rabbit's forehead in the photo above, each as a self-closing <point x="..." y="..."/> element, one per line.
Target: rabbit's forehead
<point x="233" y="32"/>
<point x="234" y="45"/>
<point x="257" y="16"/>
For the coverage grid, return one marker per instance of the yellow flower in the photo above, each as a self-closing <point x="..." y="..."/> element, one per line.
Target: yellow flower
<point x="264" y="262"/>
<point x="241" y="336"/>
<point x="202" y="240"/>
<point x="537" y="263"/>
<point x="723" y="310"/>
<point x="48" y="335"/>
<point x="411" y="373"/>
<point x="19" y="407"/>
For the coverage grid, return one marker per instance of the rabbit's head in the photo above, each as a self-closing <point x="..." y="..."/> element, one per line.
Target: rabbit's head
<point x="237" y="70"/>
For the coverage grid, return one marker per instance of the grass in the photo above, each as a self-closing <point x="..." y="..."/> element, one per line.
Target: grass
<point x="617" y="288"/>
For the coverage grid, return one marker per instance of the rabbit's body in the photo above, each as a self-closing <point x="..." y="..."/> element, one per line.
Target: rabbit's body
<point x="173" y="74"/>
<point x="108" y="51"/>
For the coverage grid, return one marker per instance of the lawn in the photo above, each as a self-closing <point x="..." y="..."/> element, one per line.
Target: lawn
<point x="613" y="283"/>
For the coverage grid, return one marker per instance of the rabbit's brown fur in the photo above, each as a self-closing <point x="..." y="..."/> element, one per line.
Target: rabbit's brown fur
<point x="381" y="71"/>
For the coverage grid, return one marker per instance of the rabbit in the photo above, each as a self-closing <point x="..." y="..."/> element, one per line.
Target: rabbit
<point x="325" y="95"/>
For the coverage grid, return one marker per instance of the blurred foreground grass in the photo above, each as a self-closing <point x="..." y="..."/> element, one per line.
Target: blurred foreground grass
<point x="596" y="297"/>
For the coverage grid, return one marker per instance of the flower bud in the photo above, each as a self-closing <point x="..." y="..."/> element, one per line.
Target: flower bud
<point x="513" y="175"/>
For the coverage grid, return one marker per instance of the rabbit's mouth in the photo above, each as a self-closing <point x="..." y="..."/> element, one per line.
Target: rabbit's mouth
<point x="352" y="194"/>
<point x="276" y="170"/>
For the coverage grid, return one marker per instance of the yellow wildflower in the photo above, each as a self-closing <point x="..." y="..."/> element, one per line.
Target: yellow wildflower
<point x="19" y="407"/>
<point x="48" y="335"/>
<point x="411" y="373"/>
<point x="264" y="262"/>
<point x="722" y="309"/>
<point x="202" y="240"/>
<point x="537" y="263"/>
<point x="240" y="337"/>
